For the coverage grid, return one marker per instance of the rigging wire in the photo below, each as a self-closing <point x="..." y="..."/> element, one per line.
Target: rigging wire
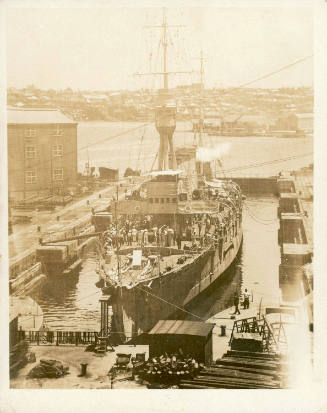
<point x="167" y="302"/>
<point x="258" y="164"/>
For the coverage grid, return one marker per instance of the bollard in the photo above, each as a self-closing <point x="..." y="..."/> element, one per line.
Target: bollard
<point x="223" y="331"/>
<point x="83" y="370"/>
<point x="99" y="196"/>
<point x="58" y="217"/>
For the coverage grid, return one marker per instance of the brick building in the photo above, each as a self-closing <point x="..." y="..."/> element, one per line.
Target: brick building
<point x="42" y="153"/>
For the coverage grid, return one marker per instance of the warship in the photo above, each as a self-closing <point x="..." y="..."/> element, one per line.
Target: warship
<point x="173" y="236"/>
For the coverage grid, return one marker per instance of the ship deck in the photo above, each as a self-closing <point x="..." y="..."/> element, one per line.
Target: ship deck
<point x="130" y="276"/>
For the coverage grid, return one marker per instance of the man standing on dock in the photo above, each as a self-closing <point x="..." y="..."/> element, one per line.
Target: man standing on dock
<point x="246" y="299"/>
<point x="236" y="303"/>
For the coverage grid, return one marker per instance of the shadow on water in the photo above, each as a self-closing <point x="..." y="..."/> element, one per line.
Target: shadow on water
<point x="218" y="296"/>
<point x="58" y="289"/>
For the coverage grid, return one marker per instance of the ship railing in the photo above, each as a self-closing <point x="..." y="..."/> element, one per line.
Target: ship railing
<point x="58" y="337"/>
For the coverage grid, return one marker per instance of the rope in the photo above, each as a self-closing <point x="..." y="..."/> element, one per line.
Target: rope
<point x="169" y="303"/>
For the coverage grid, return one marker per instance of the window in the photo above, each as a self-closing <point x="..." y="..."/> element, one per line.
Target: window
<point x="58" y="174"/>
<point x="174" y="200"/>
<point x="162" y="200"/>
<point x="156" y="200"/>
<point x="30" y="151"/>
<point x="151" y="200"/>
<point x="29" y="140"/>
<point x="58" y="131"/>
<point x="30" y="177"/>
<point x="29" y="133"/>
<point x="167" y="200"/>
<point x="57" y="150"/>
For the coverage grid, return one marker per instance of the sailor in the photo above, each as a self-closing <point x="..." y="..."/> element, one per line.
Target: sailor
<point x="139" y="237"/>
<point x="193" y="235"/>
<point x="179" y="241"/>
<point x="134" y="233"/>
<point x="146" y="239"/>
<point x="236" y="303"/>
<point x="129" y="237"/>
<point x="156" y="238"/>
<point x="246" y="299"/>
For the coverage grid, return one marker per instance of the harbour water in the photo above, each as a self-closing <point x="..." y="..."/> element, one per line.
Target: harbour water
<point x="98" y="142"/>
<point x="72" y="303"/>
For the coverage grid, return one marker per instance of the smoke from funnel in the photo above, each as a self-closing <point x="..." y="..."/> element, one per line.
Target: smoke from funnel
<point x="208" y="154"/>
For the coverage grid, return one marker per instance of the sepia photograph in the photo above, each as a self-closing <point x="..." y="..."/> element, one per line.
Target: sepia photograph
<point x="160" y="170"/>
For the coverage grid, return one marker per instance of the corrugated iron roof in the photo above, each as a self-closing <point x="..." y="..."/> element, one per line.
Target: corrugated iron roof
<point x="28" y="116"/>
<point x="180" y="327"/>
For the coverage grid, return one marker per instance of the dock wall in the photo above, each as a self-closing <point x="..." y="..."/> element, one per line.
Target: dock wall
<point x="255" y="184"/>
<point x="29" y="269"/>
<point x="296" y="250"/>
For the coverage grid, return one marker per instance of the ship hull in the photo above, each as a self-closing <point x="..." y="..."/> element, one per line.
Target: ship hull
<point x="137" y="309"/>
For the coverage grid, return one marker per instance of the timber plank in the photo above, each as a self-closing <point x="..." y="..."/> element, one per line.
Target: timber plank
<point x="188" y="386"/>
<point x="234" y="361"/>
<point x="222" y="372"/>
<point x="236" y="381"/>
<point x="226" y="384"/>
<point x="252" y="354"/>
<point x="253" y="360"/>
<point x="245" y="369"/>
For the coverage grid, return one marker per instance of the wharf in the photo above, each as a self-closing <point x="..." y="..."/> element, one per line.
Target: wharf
<point x="304" y="188"/>
<point x="25" y="238"/>
<point x="220" y="343"/>
<point x="97" y="371"/>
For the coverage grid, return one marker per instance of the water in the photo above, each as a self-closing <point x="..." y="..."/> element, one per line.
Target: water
<point x="97" y="142"/>
<point x="72" y="303"/>
<point x="257" y="265"/>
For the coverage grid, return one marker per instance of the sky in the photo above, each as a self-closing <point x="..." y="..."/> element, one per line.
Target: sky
<point x="101" y="48"/>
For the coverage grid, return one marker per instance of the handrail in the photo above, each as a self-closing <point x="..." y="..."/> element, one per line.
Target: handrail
<point x="250" y="322"/>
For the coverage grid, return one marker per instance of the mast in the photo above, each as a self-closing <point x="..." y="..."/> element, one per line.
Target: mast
<point x="164" y="48"/>
<point x="165" y="117"/>
<point x="201" y="98"/>
<point x="201" y="117"/>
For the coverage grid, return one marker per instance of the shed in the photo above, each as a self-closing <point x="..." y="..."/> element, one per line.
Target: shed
<point x="193" y="338"/>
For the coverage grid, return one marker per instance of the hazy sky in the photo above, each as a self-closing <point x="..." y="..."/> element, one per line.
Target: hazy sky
<point x="101" y="48"/>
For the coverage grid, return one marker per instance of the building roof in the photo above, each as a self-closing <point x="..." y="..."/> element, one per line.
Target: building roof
<point x="191" y="328"/>
<point x="36" y="116"/>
